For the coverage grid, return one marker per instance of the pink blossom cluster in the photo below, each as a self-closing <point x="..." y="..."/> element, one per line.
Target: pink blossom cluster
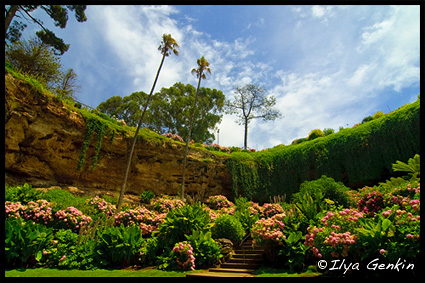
<point x="173" y="136"/>
<point x="412" y="237"/>
<point x="340" y="239"/>
<point x="72" y="218"/>
<point x="147" y="220"/>
<point x="348" y="214"/>
<point x="183" y="252"/>
<point x="269" y="229"/>
<point x="165" y="203"/>
<point x="402" y="216"/>
<point x="39" y="211"/>
<point x="218" y="147"/>
<point x="102" y="205"/>
<point x="270" y="209"/>
<point x="371" y="203"/>
<point x="218" y="202"/>
<point x="309" y="240"/>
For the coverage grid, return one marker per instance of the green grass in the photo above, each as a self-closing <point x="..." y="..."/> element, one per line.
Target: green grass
<point x="52" y="272"/>
<point x="280" y="272"/>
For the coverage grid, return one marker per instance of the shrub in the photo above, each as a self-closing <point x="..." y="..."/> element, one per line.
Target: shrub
<point x="270" y="209"/>
<point x="183" y="254"/>
<point x="71" y="218"/>
<point x="23" y="194"/>
<point x="119" y="246"/>
<point x="71" y="251"/>
<point x="165" y="203"/>
<point x="25" y="242"/>
<point x="268" y="230"/>
<point x="378" y="115"/>
<point x="314" y="134"/>
<point x="325" y="187"/>
<point x="146" y="196"/>
<point x="367" y="119"/>
<point x="229" y="227"/>
<point x="328" y="131"/>
<point x="218" y="202"/>
<point x="205" y="249"/>
<point x="182" y="221"/>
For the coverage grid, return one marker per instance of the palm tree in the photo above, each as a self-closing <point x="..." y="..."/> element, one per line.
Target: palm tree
<point x="203" y="65"/>
<point x="168" y="45"/>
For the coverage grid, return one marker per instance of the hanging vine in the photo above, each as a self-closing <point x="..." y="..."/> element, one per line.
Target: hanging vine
<point x="93" y="125"/>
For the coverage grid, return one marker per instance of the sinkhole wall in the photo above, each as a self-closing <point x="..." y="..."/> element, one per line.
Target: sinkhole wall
<point x="358" y="156"/>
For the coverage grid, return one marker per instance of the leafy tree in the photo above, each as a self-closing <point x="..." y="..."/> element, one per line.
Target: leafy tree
<point x="168" y="45"/>
<point x="59" y="14"/>
<point x="68" y="86"/>
<point x="112" y="107"/>
<point x="251" y="103"/>
<point x="33" y="57"/>
<point x="203" y="66"/>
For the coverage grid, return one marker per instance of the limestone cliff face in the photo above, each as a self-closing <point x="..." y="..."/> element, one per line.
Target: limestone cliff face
<point x="44" y="138"/>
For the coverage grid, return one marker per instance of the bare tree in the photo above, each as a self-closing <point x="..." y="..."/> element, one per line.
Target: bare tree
<point x="251" y="102"/>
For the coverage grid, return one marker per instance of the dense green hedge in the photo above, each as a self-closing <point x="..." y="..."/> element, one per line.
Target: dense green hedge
<point x="354" y="156"/>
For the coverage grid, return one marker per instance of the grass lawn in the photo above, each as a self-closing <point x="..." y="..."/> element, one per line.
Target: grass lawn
<point x="52" y="272"/>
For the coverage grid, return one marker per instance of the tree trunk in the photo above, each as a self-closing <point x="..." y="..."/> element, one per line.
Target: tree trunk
<point x="245" y="144"/>
<point x="188" y="139"/>
<point x="9" y="16"/>
<point x="121" y="198"/>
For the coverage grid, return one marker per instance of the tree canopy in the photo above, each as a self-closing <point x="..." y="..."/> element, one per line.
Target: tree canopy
<point x="170" y="110"/>
<point x="58" y="13"/>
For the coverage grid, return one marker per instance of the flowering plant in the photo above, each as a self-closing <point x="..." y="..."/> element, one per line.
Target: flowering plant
<point x="173" y="137"/>
<point x="270" y="229"/>
<point x="218" y="202"/>
<point x="71" y="218"/>
<point x="165" y="203"/>
<point x="147" y="220"/>
<point x="102" y="205"/>
<point x="183" y="254"/>
<point x="270" y="209"/>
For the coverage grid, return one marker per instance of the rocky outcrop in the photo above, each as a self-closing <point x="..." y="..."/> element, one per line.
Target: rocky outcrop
<point x="44" y="138"/>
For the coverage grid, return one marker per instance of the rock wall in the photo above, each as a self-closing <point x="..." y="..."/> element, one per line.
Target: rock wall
<point x="44" y="138"/>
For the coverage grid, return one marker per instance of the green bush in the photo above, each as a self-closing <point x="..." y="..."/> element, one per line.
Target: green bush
<point x="205" y="249"/>
<point x="229" y="227"/>
<point x="378" y="115"/>
<point x="119" y="246"/>
<point x="328" y="131"/>
<point x="23" y="194"/>
<point x="25" y="242"/>
<point x="146" y="196"/>
<point x="314" y="134"/>
<point x="71" y="251"/>
<point x="182" y="221"/>
<point x="367" y="119"/>
<point x="325" y="187"/>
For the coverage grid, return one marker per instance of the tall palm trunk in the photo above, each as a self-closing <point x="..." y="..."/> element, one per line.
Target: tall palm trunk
<point x="124" y="184"/>
<point x="188" y="139"/>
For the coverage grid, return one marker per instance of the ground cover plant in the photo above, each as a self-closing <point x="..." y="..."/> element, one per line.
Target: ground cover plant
<point x="372" y="229"/>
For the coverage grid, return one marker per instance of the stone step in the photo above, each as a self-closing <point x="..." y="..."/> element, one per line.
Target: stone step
<point x="249" y="251"/>
<point x="221" y="274"/>
<point x="231" y="270"/>
<point x="242" y="260"/>
<point x="237" y="265"/>
<point x="256" y="256"/>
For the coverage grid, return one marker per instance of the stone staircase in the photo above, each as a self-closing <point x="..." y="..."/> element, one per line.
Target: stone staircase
<point x="245" y="260"/>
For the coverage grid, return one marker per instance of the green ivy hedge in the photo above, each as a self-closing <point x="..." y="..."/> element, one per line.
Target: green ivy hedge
<point x="354" y="156"/>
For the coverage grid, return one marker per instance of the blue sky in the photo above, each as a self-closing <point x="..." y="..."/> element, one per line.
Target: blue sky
<point x="328" y="66"/>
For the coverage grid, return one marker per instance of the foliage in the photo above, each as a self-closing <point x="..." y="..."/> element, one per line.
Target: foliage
<point x="22" y="194"/>
<point x="58" y="13"/>
<point x="328" y="131"/>
<point x="378" y="114"/>
<point x="314" y="134"/>
<point x="183" y="221"/>
<point x="218" y="202"/>
<point x="146" y="196"/>
<point x="229" y="227"/>
<point x="25" y="242"/>
<point x="353" y="156"/>
<point x="183" y="253"/>
<point x="119" y="246"/>
<point x="412" y="167"/>
<point x="325" y="187"/>
<point x="205" y="249"/>
<point x="69" y="251"/>
<point x="165" y="203"/>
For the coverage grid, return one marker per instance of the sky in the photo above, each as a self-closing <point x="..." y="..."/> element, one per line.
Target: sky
<point x="327" y="66"/>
